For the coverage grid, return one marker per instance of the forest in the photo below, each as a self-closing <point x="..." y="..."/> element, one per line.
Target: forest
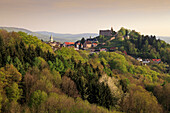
<point x="36" y="79"/>
<point x="137" y="45"/>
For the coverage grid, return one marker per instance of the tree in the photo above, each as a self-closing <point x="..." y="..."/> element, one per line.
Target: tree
<point x="11" y="74"/>
<point x="120" y="36"/>
<point x="13" y="92"/>
<point x="145" y="47"/>
<point x="9" y="60"/>
<point x="56" y="78"/>
<point x="37" y="98"/>
<point x="124" y="83"/>
<point x="39" y="51"/>
<point x="134" y="34"/>
<point x="2" y="52"/>
<point x="58" y="65"/>
<point x="112" y="31"/>
<point x="37" y="62"/>
<point x="163" y="95"/>
<point x="40" y="63"/>
<point x="0" y="100"/>
<point x="100" y="94"/>
<point x="122" y="31"/>
<point x="107" y="43"/>
<point x="51" y="65"/>
<point x="17" y="64"/>
<point x="139" y="100"/>
<point x="82" y="40"/>
<point x="69" y="87"/>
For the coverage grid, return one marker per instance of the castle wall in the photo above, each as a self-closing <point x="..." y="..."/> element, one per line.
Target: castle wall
<point x="105" y="32"/>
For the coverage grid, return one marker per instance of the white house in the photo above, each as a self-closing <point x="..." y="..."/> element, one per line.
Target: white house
<point x="139" y="59"/>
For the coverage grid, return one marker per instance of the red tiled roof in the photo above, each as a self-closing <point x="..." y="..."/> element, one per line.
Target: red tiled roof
<point x="113" y="48"/>
<point x="68" y="43"/>
<point x="88" y="42"/>
<point x="156" y="60"/>
<point x="78" y="43"/>
<point x="95" y="44"/>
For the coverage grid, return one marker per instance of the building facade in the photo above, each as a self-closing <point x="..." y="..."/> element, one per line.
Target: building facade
<point x="105" y="32"/>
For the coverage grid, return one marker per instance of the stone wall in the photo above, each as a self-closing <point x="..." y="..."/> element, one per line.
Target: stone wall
<point x="105" y="32"/>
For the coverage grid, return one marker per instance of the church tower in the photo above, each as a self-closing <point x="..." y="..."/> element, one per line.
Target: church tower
<point x="51" y="38"/>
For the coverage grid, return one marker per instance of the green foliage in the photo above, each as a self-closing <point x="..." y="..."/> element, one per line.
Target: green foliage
<point x="13" y="92"/>
<point x="37" y="98"/>
<point x="124" y="83"/>
<point x="37" y="62"/>
<point x="75" y="81"/>
<point x="10" y="74"/>
<point x="2" y="50"/>
<point x="68" y="53"/>
<point x="116" y="61"/>
<point x="9" y="60"/>
<point x="17" y="63"/>
<point x="147" y="72"/>
<point x="56" y="78"/>
<point x="0" y="101"/>
<point x="134" y="34"/>
<point x="40" y="63"/>
<point x="140" y="100"/>
<point x="58" y="65"/>
<point x="98" y="95"/>
<point x="122" y="31"/>
<point x="33" y="40"/>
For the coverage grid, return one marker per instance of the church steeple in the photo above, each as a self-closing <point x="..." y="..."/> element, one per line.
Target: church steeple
<point x="51" y="38"/>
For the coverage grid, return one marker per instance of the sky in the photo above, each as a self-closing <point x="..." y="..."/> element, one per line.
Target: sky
<point x="149" y="17"/>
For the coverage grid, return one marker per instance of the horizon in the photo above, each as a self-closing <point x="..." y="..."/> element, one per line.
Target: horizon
<point x="77" y="17"/>
<point x="157" y="36"/>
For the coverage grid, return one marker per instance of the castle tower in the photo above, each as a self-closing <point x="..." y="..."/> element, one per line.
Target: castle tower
<point x="51" y="38"/>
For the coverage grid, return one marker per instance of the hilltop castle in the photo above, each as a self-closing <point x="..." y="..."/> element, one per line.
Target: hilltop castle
<point x="106" y="32"/>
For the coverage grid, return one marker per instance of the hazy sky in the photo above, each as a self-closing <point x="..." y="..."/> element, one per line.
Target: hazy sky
<point x="80" y="16"/>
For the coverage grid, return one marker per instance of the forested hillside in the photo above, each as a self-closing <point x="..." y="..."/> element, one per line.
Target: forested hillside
<point x="34" y="79"/>
<point x="137" y="45"/>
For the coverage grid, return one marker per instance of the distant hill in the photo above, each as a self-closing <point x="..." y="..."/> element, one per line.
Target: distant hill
<point x="67" y="37"/>
<point x="44" y="35"/>
<point x="165" y="38"/>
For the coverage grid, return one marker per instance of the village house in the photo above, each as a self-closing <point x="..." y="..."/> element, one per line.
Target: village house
<point x="94" y="44"/>
<point x="103" y="49"/>
<point x="156" y="60"/>
<point x="87" y="44"/>
<point x="68" y="44"/>
<point x="103" y="43"/>
<point x="77" y="44"/>
<point x="146" y="61"/>
<point x="76" y="48"/>
<point x="139" y="59"/>
<point x="90" y="42"/>
<point x="112" y="49"/>
<point x="53" y="44"/>
<point x="93" y="40"/>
